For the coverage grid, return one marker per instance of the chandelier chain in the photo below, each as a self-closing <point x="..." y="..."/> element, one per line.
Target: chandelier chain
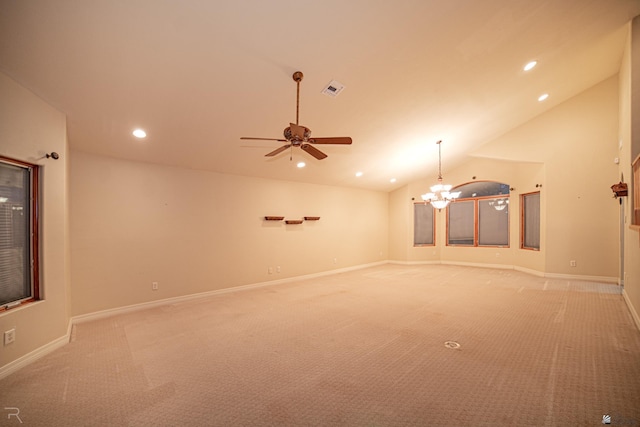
<point x="439" y="161"/>
<point x="440" y="195"/>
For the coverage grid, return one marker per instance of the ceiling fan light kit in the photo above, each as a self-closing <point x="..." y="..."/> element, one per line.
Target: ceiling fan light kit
<point x="296" y="135"/>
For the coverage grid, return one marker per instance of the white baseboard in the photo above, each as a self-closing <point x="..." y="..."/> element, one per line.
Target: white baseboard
<point x="145" y="305"/>
<point x="472" y="264"/>
<point x="31" y="357"/>
<point x="414" y="262"/>
<point x="632" y="310"/>
<point x="60" y="342"/>
<point x="459" y="263"/>
<point x="528" y="271"/>
<point x="36" y="354"/>
<point x="478" y="264"/>
<point x="601" y="279"/>
<point x="136" y="307"/>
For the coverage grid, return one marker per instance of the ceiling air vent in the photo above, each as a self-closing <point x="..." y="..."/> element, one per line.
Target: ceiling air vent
<point x="333" y="88"/>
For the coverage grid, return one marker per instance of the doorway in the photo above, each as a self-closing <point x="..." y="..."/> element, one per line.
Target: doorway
<point x="621" y="257"/>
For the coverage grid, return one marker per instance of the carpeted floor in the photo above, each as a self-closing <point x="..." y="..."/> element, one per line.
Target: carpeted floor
<point x="363" y="348"/>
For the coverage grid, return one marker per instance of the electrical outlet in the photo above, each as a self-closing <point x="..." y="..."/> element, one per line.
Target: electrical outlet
<point x="335" y="260"/>
<point x="270" y="270"/>
<point x="572" y="263"/>
<point x="278" y="269"/>
<point x="9" y="336"/>
<point x="154" y="286"/>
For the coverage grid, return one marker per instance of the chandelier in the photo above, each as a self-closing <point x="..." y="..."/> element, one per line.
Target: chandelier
<point x="441" y="194"/>
<point x="499" y="204"/>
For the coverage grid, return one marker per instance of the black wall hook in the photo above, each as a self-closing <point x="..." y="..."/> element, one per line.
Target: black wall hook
<point x="53" y="154"/>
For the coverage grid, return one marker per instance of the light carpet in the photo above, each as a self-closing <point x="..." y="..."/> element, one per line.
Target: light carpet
<point x="361" y="348"/>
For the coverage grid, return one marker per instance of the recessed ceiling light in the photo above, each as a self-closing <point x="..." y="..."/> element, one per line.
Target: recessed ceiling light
<point x="543" y="97"/>
<point x="530" y="65"/>
<point x="392" y="180"/>
<point x="358" y="173"/>
<point x="301" y="164"/>
<point x="139" y="133"/>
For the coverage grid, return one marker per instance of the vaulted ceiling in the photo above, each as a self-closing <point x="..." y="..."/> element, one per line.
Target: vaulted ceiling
<point x="199" y="74"/>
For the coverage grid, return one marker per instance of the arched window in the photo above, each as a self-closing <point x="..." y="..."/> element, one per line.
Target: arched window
<point x="480" y="216"/>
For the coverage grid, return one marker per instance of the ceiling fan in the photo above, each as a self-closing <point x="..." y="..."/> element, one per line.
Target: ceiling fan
<point x="300" y="136"/>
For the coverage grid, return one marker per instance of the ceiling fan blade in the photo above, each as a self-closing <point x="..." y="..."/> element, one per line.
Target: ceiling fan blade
<point x="331" y="140"/>
<point x="278" y="151"/>
<point x="313" y="151"/>
<point x="297" y="130"/>
<point x="263" y="139"/>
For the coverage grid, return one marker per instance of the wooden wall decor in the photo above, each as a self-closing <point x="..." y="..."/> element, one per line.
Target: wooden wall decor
<point x="620" y="189"/>
<point x="291" y="221"/>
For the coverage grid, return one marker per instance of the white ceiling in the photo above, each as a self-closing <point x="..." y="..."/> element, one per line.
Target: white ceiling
<point x="199" y="74"/>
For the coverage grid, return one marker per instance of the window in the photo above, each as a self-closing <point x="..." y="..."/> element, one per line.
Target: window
<point x="18" y="232"/>
<point x="493" y="222"/>
<point x="461" y="223"/>
<point x="530" y="224"/>
<point x="480" y="216"/>
<point x="423" y="225"/>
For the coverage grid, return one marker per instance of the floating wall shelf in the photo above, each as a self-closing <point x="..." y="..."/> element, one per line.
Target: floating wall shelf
<point x="291" y="221"/>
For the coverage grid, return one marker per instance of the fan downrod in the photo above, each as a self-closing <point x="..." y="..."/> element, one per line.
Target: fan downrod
<point x="299" y="136"/>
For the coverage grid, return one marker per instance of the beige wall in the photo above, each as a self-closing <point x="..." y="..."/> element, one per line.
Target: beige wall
<point x="400" y="225"/>
<point x="570" y="150"/>
<point x="521" y="176"/>
<point x="631" y="236"/>
<point x="131" y="223"/>
<point x="29" y="128"/>
<point x="193" y="231"/>
<point x="577" y="142"/>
